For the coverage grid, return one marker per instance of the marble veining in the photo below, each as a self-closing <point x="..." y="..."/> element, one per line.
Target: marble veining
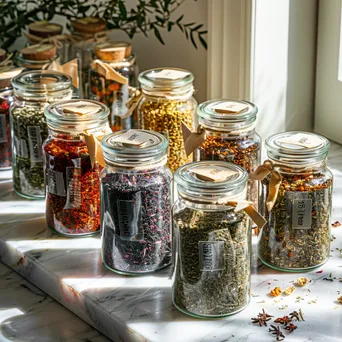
<point x="140" y="308"/>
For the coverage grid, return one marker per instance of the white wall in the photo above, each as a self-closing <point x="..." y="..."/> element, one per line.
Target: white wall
<point x="284" y="69"/>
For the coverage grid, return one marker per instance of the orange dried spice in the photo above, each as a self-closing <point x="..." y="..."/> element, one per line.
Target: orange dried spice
<point x="276" y="292"/>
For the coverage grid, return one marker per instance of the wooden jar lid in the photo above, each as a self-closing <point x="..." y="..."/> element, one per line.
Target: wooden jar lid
<point x="44" y="29"/>
<point x="88" y="25"/>
<point x="113" y="51"/>
<point x="2" y="55"/>
<point x="39" y="52"/>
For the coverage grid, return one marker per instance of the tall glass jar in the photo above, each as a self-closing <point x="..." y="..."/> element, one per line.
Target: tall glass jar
<point x="230" y="136"/>
<point x="110" y="92"/>
<point x="72" y="177"/>
<point x="136" y="202"/>
<point x="167" y="102"/>
<point x="297" y="234"/>
<point x="212" y="242"/>
<point x="33" y="91"/>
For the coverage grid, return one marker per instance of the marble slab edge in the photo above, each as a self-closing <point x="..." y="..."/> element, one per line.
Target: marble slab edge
<point x="78" y="303"/>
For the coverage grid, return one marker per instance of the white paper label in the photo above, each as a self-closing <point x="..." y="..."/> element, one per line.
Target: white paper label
<point x="73" y="175"/>
<point x="211" y="255"/>
<point x="303" y="140"/>
<point x="213" y="174"/>
<point x="169" y="74"/>
<point x="3" y="128"/>
<point x="134" y="138"/>
<point x="21" y="147"/>
<point x="230" y="107"/>
<point x="55" y="180"/>
<point x="81" y="108"/>
<point x="35" y="144"/>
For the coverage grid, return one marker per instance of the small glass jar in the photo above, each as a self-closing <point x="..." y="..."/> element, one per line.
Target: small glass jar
<point x="33" y="91"/>
<point x="296" y="236"/>
<point x="230" y="136"/>
<point x="211" y="241"/>
<point x="72" y="180"/>
<point x="167" y="102"/>
<point x="111" y="93"/>
<point x="136" y="203"/>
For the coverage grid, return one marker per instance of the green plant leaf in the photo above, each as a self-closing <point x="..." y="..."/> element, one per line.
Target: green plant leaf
<point x="123" y="10"/>
<point x="157" y="34"/>
<point x="203" y="42"/>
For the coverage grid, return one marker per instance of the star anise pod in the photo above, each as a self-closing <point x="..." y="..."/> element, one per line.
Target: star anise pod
<point x="262" y="318"/>
<point x="277" y="332"/>
<point x="295" y="316"/>
<point x="291" y="327"/>
<point x="283" y="320"/>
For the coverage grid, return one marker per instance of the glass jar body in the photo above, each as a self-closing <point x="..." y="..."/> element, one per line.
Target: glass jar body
<point x="296" y="236"/>
<point x="114" y="94"/>
<point x="212" y="259"/>
<point x="6" y="98"/>
<point x="72" y="185"/>
<point x="243" y="150"/>
<point x="165" y="116"/>
<point x="136" y="219"/>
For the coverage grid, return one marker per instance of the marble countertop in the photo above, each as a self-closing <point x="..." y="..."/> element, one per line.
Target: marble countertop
<point x="140" y="308"/>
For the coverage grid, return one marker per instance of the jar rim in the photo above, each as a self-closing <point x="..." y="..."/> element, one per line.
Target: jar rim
<point x="41" y="81"/>
<point x="210" y="117"/>
<point x="59" y="116"/>
<point x="190" y="185"/>
<point x="123" y="155"/>
<point x="280" y="150"/>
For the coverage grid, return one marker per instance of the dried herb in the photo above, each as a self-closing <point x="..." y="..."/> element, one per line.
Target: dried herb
<point x="262" y="318"/>
<point x="295" y="316"/>
<point x="340" y="299"/>
<point x="5" y="134"/>
<point x="283" y="320"/>
<point x="136" y="220"/>
<point x="289" y="290"/>
<point x="302" y="281"/>
<point x="276" y="292"/>
<point x="212" y="272"/>
<point x="29" y="132"/>
<point x="283" y="243"/>
<point x="336" y="224"/>
<point x="277" y="333"/>
<point x="72" y="186"/>
<point x="242" y="151"/>
<point x="290" y="328"/>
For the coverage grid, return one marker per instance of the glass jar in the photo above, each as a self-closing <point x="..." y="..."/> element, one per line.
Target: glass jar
<point x="110" y="92"/>
<point x="296" y="236"/>
<point x="230" y="136"/>
<point x="211" y="241"/>
<point x="167" y="102"/>
<point x="72" y="179"/>
<point x="136" y="202"/>
<point x="33" y="91"/>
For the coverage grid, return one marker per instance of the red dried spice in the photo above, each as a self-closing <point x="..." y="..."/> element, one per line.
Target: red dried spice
<point x="336" y="224"/>
<point x="5" y="135"/>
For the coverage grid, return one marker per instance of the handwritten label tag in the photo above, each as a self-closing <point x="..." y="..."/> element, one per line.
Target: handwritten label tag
<point x="303" y="140"/>
<point x="213" y="174"/>
<point x="81" y="108"/>
<point x="230" y="107"/>
<point x="169" y="74"/>
<point x="134" y="138"/>
<point x="192" y="140"/>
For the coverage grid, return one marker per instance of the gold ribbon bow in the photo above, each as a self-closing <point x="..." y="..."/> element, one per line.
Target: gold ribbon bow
<point x="261" y="173"/>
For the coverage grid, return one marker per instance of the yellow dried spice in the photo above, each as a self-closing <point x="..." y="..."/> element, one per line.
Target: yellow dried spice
<point x="276" y="292"/>
<point x="166" y="117"/>
<point x="289" y="290"/>
<point x="340" y="299"/>
<point x="302" y="281"/>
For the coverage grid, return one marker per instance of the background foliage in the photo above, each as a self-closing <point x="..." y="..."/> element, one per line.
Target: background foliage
<point x="145" y="17"/>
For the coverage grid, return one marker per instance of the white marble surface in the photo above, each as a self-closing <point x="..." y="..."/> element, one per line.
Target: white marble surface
<point x="140" y="308"/>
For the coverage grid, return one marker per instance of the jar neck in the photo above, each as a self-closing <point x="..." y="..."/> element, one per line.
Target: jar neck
<point x="230" y="129"/>
<point x="73" y="133"/>
<point x="299" y="168"/>
<point x="169" y="94"/>
<point x="42" y="96"/>
<point x="151" y="167"/>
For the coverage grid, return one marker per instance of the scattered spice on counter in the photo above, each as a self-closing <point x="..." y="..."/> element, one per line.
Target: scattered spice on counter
<point x="295" y="316"/>
<point x="340" y="299"/>
<point x="276" y="292"/>
<point x="146" y="197"/>
<point x="277" y="333"/>
<point x="289" y="290"/>
<point x="5" y="135"/>
<point x="328" y="279"/>
<point x="336" y="224"/>
<point x="73" y="187"/>
<point x="283" y="320"/>
<point x="290" y="328"/>
<point x="262" y="318"/>
<point x="321" y="271"/>
<point x="302" y="281"/>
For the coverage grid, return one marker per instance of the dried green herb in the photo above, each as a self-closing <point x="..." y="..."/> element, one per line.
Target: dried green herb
<point x="297" y="233"/>
<point x="212" y="271"/>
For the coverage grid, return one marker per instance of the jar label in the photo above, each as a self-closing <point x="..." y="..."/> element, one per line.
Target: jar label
<point x="120" y="97"/>
<point x="213" y="174"/>
<point x="230" y="107"/>
<point x="211" y="255"/>
<point x="130" y="213"/>
<point x="73" y="177"/>
<point x="169" y="74"/>
<point x="3" y="128"/>
<point x="299" y="208"/>
<point x="20" y="147"/>
<point x="55" y="182"/>
<point x="134" y="138"/>
<point x="81" y="108"/>
<point x="302" y="140"/>
<point x="35" y="144"/>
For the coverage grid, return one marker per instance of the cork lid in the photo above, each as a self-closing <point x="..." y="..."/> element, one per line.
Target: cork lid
<point x="3" y="55"/>
<point x="44" y="29"/>
<point x="6" y="77"/>
<point x="39" y="52"/>
<point x="113" y="51"/>
<point x="88" y="25"/>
